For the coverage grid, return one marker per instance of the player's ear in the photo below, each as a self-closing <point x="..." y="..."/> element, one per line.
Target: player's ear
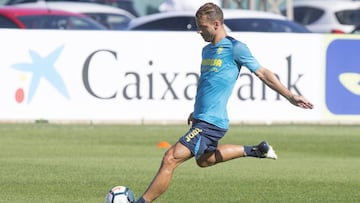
<point x="217" y="24"/>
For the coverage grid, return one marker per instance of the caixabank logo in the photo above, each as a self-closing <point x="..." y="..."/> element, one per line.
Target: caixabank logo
<point x="41" y="68"/>
<point x="343" y="77"/>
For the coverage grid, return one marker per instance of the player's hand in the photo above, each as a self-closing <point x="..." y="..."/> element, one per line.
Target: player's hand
<point x="190" y="119"/>
<point x="300" y="101"/>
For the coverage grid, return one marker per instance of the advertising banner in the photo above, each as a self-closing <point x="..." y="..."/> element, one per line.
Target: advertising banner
<point x="151" y="77"/>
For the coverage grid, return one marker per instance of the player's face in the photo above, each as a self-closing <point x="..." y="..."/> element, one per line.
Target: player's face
<point x="206" y="28"/>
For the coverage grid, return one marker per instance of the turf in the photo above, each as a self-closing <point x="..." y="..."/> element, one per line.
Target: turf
<point x="80" y="163"/>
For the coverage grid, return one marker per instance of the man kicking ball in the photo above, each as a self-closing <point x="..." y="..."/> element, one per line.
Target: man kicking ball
<point x="222" y="60"/>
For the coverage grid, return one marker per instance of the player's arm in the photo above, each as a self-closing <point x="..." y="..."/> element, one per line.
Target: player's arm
<point x="274" y="83"/>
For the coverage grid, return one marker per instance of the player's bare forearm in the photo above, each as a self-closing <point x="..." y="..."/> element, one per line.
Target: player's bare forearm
<point x="274" y="83"/>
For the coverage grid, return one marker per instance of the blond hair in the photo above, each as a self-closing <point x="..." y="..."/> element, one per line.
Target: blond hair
<point x="211" y="11"/>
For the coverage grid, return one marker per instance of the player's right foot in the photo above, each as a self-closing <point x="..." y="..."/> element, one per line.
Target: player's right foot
<point x="264" y="150"/>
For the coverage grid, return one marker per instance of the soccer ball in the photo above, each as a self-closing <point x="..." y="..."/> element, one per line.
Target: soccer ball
<point x="120" y="194"/>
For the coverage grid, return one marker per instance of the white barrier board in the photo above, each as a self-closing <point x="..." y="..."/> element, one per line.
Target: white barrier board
<point x="105" y="76"/>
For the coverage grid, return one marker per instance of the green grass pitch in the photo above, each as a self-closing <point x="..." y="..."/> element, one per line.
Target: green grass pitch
<point x="80" y="163"/>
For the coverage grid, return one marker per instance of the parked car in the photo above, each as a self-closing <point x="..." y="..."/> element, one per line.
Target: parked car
<point x="234" y="20"/>
<point x="111" y="17"/>
<point x="31" y="18"/>
<point x="127" y="5"/>
<point x="356" y="30"/>
<point x="326" y="16"/>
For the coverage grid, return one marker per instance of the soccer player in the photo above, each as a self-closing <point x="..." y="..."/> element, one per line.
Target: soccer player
<point x="222" y="60"/>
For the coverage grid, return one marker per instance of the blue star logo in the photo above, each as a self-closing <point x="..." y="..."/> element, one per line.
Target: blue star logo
<point x="43" y="67"/>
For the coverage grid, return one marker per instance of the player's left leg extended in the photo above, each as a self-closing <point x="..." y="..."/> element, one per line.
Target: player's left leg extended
<point x="228" y="152"/>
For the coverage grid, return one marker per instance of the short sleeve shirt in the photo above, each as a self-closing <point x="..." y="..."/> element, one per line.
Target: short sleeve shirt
<point x="220" y="67"/>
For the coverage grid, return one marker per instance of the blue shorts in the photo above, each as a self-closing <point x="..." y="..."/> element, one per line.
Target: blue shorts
<point x="202" y="137"/>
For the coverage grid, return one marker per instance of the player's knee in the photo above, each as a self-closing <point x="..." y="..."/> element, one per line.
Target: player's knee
<point x="168" y="158"/>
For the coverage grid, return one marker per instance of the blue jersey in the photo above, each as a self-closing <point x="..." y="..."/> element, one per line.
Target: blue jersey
<point x="220" y="68"/>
